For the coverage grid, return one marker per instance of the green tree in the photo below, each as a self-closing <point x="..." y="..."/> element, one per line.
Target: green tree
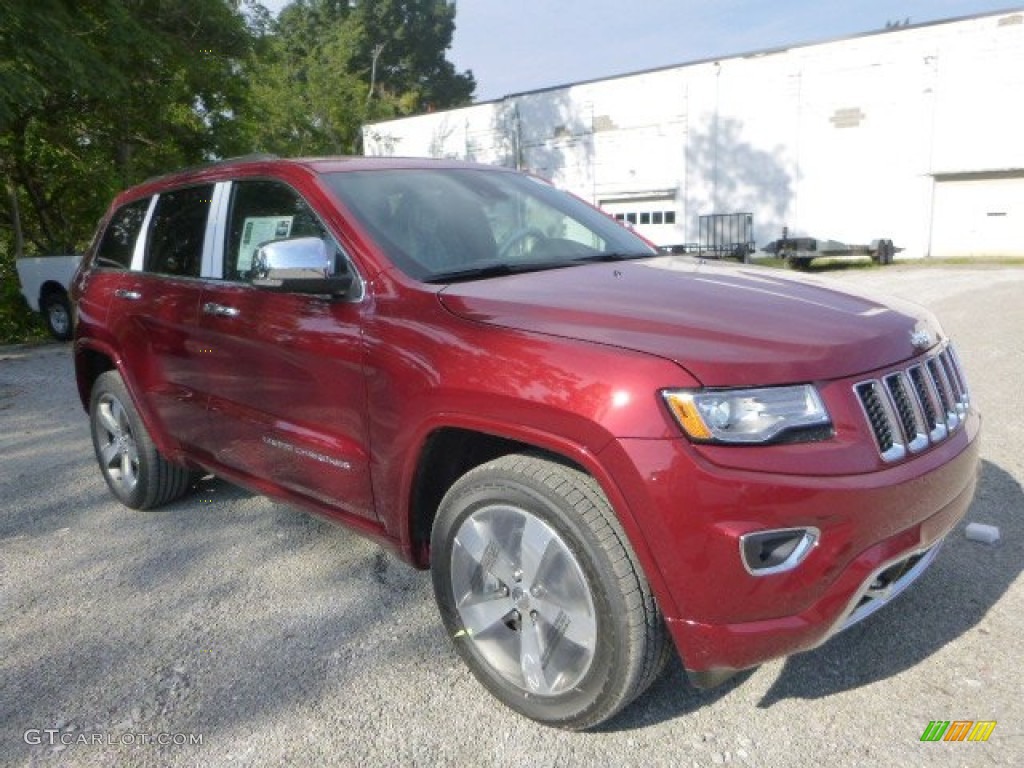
<point x="412" y="38"/>
<point x="331" y="65"/>
<point x="97" y="94"/>
<point x="305" y="99"/>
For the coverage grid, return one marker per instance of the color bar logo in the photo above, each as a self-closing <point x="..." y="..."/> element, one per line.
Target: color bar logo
<point x="958" y="730"/>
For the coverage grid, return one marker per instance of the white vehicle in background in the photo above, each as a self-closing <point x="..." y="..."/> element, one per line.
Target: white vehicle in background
<point x="44" y="284"/>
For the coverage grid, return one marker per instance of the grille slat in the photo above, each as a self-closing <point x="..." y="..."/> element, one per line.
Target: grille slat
<point x="955" y="382"/>
<point x="924" y="397"/>
<point x="941" y="386"/>
<point x="904" y="409"/>
<point x="958" y="371"/>
<point x="910" y="409"/>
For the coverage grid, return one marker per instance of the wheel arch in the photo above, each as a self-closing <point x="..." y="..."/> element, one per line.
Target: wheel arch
<point x="50" y="287"/>
<point x="90" y="363"/>
<point x="93" y="358"/>
<point x="446" y="452"/>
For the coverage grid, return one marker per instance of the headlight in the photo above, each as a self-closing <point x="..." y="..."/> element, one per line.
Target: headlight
<point x="744" y="416"/>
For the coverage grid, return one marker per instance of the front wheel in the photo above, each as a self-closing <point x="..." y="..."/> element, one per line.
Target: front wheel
<point x="542" y="593"/>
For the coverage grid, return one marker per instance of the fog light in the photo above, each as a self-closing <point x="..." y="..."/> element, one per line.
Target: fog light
<point x="767" y="552"/>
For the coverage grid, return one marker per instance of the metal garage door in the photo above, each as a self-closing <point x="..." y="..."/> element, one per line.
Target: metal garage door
<point x="656" y="218"/>
<point x="978" y="215"/>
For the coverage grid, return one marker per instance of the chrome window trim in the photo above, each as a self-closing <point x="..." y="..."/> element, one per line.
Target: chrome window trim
<point x="216" y="222"/>
<point x="139" y="254"/>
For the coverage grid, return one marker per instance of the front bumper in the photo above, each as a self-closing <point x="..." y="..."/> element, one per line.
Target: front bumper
<point x="879" y="532"/>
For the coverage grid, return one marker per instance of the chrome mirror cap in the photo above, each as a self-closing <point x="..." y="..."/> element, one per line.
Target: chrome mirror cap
<point x="298" y="265"/>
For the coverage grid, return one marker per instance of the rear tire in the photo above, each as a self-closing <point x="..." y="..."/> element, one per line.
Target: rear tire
<point x="542" y="594"/>
<point x="135" y="471"/>
<point x="56" y="311"/>
<point x="890" y="252"/>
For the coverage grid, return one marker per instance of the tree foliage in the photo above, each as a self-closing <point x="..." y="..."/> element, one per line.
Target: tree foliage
<point x="96" y="95"/>
<point x="332" y="65"/>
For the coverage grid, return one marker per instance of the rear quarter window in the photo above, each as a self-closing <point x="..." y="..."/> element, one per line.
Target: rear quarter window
<point x="118" y="244"/>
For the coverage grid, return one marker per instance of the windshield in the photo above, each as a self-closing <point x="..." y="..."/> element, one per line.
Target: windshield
<point x="443" y="225"/>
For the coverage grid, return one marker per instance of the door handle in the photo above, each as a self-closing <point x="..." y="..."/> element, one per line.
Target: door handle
<point x="219" y="310"/>
<point x="124" y="293"/>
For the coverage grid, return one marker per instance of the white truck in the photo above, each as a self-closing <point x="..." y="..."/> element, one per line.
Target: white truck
<point x="44" y="284"/>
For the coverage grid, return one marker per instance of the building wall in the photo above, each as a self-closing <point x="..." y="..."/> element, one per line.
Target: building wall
<point x="909" y="134"/>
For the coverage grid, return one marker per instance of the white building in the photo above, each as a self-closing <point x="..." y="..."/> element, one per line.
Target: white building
<point x="915" y="134"/>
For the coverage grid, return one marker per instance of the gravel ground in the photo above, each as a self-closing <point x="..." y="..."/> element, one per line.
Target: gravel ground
<point x="271" y="637"/>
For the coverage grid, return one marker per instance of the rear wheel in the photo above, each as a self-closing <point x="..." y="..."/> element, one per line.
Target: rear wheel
<point x="890" y="252"/>
<point x="134" y="470"/>
<point x="542" y="594"/>
<point x="56" y="309"/>
<point x="884" y="252"/>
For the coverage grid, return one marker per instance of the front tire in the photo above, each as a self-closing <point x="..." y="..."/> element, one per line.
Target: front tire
<point x="135" y="471"/>
<point x="542" y="594"/>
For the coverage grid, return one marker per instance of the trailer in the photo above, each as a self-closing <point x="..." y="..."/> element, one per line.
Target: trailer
<point x="726" y="236"/>
<point x="799" y="252"/>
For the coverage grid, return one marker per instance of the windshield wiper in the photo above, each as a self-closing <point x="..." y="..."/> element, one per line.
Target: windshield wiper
<point x="494" y="270"/>
<point x="499" y="270"/>
<point x="609" y="256"/>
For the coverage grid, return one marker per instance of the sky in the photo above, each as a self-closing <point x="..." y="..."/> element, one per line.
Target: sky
<point x="512" y="46"/>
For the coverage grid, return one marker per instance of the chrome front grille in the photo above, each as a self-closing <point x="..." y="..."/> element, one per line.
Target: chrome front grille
<point x="917" y="406"/>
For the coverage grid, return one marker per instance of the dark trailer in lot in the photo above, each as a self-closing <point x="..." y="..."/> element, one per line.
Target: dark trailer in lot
<point x="726" y="235"/>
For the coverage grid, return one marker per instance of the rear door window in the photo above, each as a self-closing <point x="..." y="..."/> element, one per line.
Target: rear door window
<point x="178" y="231"/>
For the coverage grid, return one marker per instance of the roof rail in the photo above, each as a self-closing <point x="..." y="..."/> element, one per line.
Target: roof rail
<point x="250" y="158"/>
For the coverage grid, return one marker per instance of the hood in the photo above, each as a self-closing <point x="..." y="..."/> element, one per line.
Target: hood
<point x="727" y="325"/>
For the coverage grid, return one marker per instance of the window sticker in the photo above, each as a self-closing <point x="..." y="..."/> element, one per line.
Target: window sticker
<point x="257" y="231"/>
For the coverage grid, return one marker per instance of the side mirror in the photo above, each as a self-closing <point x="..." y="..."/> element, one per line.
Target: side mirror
<point x="299" y="265"/>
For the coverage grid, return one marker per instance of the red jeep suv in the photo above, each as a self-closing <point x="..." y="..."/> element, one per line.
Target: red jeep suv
<point x="594" y="447"/>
